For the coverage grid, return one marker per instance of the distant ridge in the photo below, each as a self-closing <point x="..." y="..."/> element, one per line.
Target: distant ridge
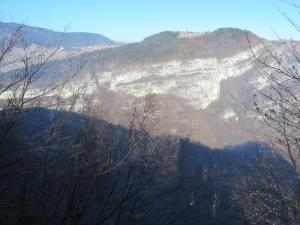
<point x="158" y="48"/>
<point x="163" y="47"/>
<point x="47" y="38"/>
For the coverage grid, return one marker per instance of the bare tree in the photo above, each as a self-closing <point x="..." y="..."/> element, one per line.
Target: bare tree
<point x="58" y="166"/>
<point x="267" y="187"/>
<point x="26" y="91"/>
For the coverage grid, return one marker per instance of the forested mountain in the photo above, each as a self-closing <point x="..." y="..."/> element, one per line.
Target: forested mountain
<point x="159" y="48"/>
<point x="191" y="72"/>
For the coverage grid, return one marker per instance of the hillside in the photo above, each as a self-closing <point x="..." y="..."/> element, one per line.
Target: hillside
<point x="203" y="77"/>
<point x="159" y="48"/>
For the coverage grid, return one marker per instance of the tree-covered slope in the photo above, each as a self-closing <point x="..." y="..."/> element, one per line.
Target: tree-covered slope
<point x="161" y="47"/>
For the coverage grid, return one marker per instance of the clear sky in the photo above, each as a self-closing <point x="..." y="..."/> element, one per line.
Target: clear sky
<point x="132" y="20"/>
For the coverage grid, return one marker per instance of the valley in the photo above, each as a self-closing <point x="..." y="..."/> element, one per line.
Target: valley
<point x="179" y="128"/>
<point x="210" y="90"/>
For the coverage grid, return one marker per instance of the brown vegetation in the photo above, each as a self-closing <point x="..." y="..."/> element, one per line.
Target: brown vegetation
<point x="190" y="35"/>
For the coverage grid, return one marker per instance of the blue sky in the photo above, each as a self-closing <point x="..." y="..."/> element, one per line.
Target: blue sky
<point x="131" y="20"/>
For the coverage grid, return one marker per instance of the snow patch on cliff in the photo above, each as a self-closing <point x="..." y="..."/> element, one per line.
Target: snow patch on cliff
<point x="228" y="113"/>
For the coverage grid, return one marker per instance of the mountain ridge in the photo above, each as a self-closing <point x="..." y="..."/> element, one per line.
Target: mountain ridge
<point x="47" y="38"/>
<point x="164" y="47"/>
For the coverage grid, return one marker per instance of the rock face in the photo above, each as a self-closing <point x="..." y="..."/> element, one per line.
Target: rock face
<point x="196" y="81"/>
<point x="209" y="92"/>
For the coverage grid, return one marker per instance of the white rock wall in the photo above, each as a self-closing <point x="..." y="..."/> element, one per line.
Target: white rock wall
<point x="196" y="81"/>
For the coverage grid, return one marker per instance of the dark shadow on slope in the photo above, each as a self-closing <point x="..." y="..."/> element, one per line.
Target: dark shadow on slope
<point x="61" y="167"/>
